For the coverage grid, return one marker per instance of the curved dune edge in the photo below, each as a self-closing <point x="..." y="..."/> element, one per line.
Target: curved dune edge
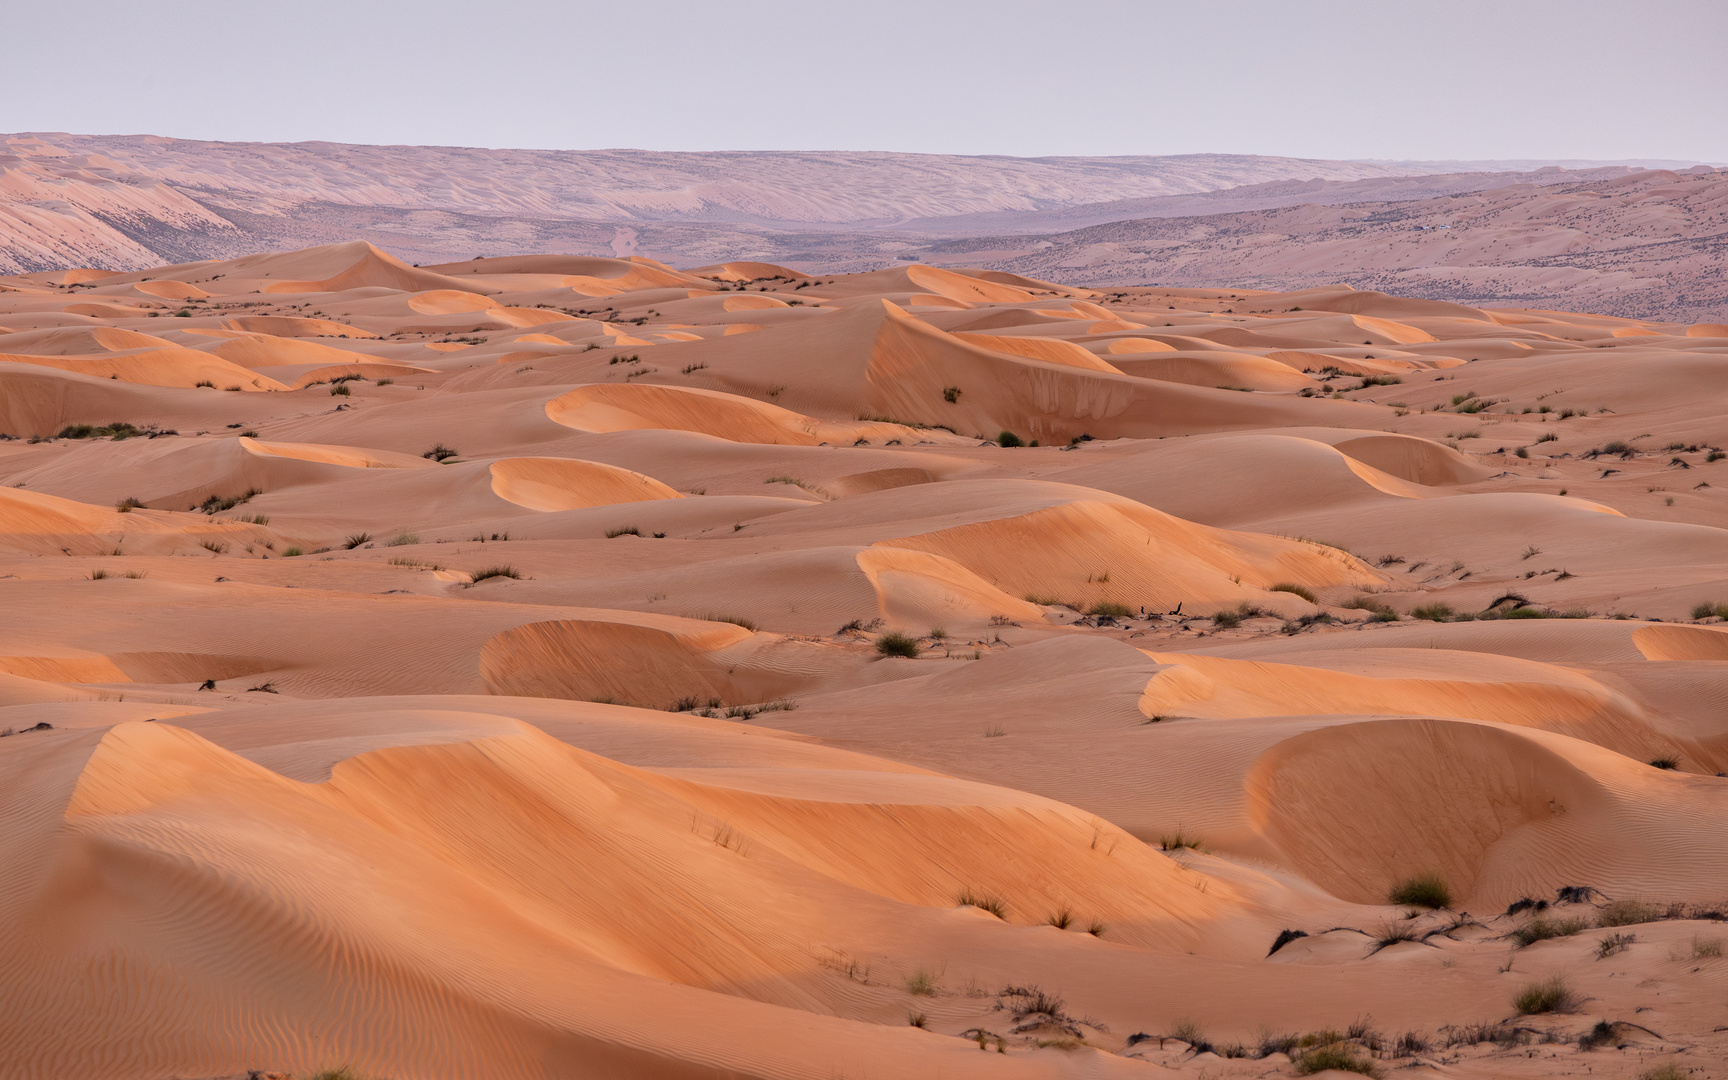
<point x="172" y="366"/>
<point x="917" y="589"/>
<point x="1086" y="552"/>
<point x="611" y="407"/>
<point x="1499" y="813"/>
<point x="552" y="484"/>
<point x="1681" y="642"/>
<point x="596" y="938"/>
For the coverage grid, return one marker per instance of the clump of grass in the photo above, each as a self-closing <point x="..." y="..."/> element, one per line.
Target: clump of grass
<point x="921" y="984"/>
<point x="1296" y="590"/>
<point x="1190" y="1032"/>
<point x="356" y="539"/>
<point x="128" y="504"/>
<point x="1061" y="918"/>
<point x="1432" y="612"/>
<point x="1109" y="609"/>
<point x="1665" y="1071"/>
<point x="894" y="643"/>
<point x="1394" y="934"/>
<point x="1706" y="948"/>
<point x="918" y="1019"/>
<point x="1227" y="620"/>
<point x="1541" y="928"/>
<point x="1550" y="995"/>
<point x="440" y="452"/>
<point x="628" y="530"/>
<point x="1614" y="943"/>
<point x="403" y="539"/>
<point x="1378" y="611"/>
<point x="340" y="390"/>
<point x="1338" y="1055"/>
<point x="1424" y="890"/>
<point x="735" y="620"/>
<point x="1710" y="611"/>
<point x="505" y="571"/>
<point x="1178" y="840"/>
<point x="983" y="902"/>
<point x="293" y="552"/>
<point x="1627" y="913"/>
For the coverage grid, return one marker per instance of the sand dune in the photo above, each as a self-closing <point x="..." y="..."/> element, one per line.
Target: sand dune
<point x="572" y="665"/>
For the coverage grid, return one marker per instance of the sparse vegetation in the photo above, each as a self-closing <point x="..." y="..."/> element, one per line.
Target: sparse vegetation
<point x="1613" y="944"/>
<point x="1296" y="590"/>
<point x="895" y="643"/>
<point x="1008" y="438"/>
<point x="921" y="984"/>
<point x="504" y="571"/>
<point x="1627" y="913"/>
<point x="1179" y="840"/>
<point x="1541" y="928"/>
<point x="1109" y="609"/>
<point x="1424" y="890"/>
<point x="983" y="902"/>
<point x="1339" y="1055"/>
<point x="735" y="620"/>
<point x="628" y="530"/>
<point x="356" y="539"/>
<point x="1435" y="612"/>
<point x="440" y="452"/>
<point x="1550" y="995"/>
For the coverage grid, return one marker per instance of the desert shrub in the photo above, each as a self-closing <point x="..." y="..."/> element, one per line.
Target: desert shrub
<point x="628" y="530"/>
<point x="1295" y="590"/>
<point x="1338" y="1056"/>
<point x="983" y="902"/>
<point x="1706" y="948"/>
<point x="1178" y="840"/>
<point x="1549" y="995"/>
<point x="293" y="552"/>
<point x="1710" y="611"/>
<point x="1665" y="763"/>
<point x="129" y="504"/>
<point x="1393" y="934"/>
<point x="894" y="643"/>
<point x="921" y="983"/>
<point x="496" y="571"/>
<point x="1008" y="438"/>
<point x="735" y="620"/>
<point x="1627" y="913"/>
<point x="1284" y="938"/>
<point x="1108" y="609"/>
<point x="1061" y="918"/>
<point x="1226" y="620"/>
<point x="1614" y="943"/>
<point x="1666" y="1071"/>
<point x="950" y="394"/>
<point x="1424" y="890"/>
<point x="402" y="539"/>
<point x="440" y="452"/>
<point x="1541" y="928"/>
<point x="1189" y="1032"/>
<point x="341" y="390"/>
<point x="356" y="539"/>
<point x="1432" y="612"/>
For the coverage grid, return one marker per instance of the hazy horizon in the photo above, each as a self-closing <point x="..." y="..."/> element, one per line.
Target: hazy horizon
<point x="1337" y="80"/>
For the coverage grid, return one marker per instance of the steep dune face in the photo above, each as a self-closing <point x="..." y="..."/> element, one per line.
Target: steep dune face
<point x="566" y="665"/>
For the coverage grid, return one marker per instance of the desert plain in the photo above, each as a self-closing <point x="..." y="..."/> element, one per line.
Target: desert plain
<point x="546" y="666"/>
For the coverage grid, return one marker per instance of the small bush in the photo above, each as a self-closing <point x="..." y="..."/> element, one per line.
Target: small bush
<point x="1706" y="948"/>
<point x="1226" y="620"/>
<point x="894" y="643"/>
<point x="921" y="984"/>
<point x="1627" y="913"/>
<point x="735" y="620"/>
<point x="1432" y="612"/>
<point x="1296" y="590"/>
<point x="356" y="539"/>
<point x="440" y="452"/>
<point x="1614" y="943"/>
<point x="340" y="390"/>
<point x="1710" y="611"/>
<point x="1338" y="1056"/>
<point x="128" y="504"/>
<point x="1178" y="840"/>
<point x="1550" y="995"/>
<point x="1665" y="1071"/>
<point x="983" y="902"/>
<point x="1189" y="1032"/>
<point x="1541" y="928"/>
<point x="1425" y="890"/>
<point x="293" y="552"/>
<point x="1109" y="609"/>
<point x="496" y="571"/>
<point x="403" y="539"/>
<point x="628" y="530"/>
<point x="1008" y="438"/>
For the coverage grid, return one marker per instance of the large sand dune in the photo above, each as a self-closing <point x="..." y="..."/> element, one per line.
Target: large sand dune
<point x="545" y="666"/>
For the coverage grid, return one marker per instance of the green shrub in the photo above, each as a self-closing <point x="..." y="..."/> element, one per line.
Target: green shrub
<point x="1550" y="995"/>
<point x="1008" y="438"/>
<point x="1627" y="913"/>
<point x="1432" y="612"/>
<point x="1424" y="890"/>
<point x="1541" y="928"/>
<point x="894" y="643"/>
<point x="1338" y="1056"/>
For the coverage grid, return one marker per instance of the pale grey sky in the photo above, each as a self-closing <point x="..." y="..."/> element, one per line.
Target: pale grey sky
<point x="1406" y="79"/>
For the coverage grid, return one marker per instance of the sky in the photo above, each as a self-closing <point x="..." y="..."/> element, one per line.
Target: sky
<point x="1393" y="79"/>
